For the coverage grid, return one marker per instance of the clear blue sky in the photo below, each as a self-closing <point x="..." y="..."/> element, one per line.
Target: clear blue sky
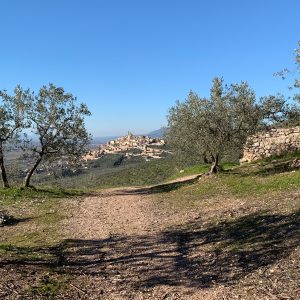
<point x="130" y="60"/>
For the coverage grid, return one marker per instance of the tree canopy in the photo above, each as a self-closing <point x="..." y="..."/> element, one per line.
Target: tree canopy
<point x="52" y="123"/>
<point x="12" y="121"/>
<point x="209" y="128"/>
<point x="58" y="124"/>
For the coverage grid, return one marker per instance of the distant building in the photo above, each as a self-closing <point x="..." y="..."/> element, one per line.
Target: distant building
<point x="126" y="143"/>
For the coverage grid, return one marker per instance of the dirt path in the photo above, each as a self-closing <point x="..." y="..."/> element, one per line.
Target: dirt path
<point x="124" y="211"/>
<point x="120" y="239"/>
<point x="111" y="213"/>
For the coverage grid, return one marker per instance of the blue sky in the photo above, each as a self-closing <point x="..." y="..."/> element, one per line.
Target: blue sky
<point x="130" y="60"/>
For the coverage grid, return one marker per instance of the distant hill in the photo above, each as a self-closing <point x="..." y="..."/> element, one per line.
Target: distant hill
<point x="158" y="133"/>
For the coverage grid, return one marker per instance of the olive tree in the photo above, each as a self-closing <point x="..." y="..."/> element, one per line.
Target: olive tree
<point x="12" y="121"/>
<point x="57" y="123"/>
<point x="274" y="110"/>
<point x="209" y="128"/>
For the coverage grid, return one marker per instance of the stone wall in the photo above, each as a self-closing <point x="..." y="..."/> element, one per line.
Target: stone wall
<point x="273" y="142"/>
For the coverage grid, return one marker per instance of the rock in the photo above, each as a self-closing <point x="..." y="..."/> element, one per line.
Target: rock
<point x="295" y="163"/>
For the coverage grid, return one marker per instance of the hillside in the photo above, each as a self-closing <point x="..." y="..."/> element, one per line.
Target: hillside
<point x="159" y="133"/>
<point x="97" y="140"/>
<point x="234" y="235"/>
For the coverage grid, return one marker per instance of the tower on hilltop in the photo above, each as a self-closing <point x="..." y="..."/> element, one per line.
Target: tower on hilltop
<point x="129" y="136"/>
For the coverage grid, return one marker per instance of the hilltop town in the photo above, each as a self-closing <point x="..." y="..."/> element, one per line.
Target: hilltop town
<point x="131" y="145"/>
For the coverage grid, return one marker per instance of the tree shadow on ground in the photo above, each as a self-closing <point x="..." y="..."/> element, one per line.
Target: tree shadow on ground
<point x="161" y="188"/>
<point x="8" y="220"/>
<point x="60" y="193"/>
<point x="264" y="169"/>
<point x="195" y="254"/>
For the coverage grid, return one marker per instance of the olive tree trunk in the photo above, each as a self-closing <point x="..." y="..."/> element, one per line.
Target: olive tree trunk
<point x="31" y="171"/>
<point x="3" y="169"/>
<point x="215" y="165"/>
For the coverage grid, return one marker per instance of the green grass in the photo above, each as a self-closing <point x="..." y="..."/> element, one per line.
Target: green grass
<point x="47" y="287"/>
<point x="255" y="180"/>
<point x="147" y="173"/>
<point x="41" y="193"/>
<point x="236" y="185"/>
<point x="197" y="169"/>
<point x="282" y="157"/>
<point x="229" y="165"/>
<point x="200" y="169"/>
<point x="25" y="253"/>
<point x="135" y="173"/>
<point x="37" y="213"/>
<point x="246" y="209"/>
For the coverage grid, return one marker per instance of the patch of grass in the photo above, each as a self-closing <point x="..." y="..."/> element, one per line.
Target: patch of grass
<point x="246" y="182"/>
<point x="229" y="165"/>
<point x="15" y="194"/>
<point x="200" y="169"/>
<point x="142" y="173"/>
<point x="102" y="173"/>
<point x="37" y="213"/>
<point x="47" y="287"/>
<point x="284" y="156"/>
<point x="25" y="253"/>
<point x="193" y="170"/>
<point x="235" y="185"/>
<point x="107" y="172"/>
<point x="148" y="173"/>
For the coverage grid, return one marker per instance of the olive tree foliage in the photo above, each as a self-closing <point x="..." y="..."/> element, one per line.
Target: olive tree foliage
<point x="12" y="121"/>
<point x="294" y="73"/>
<point x="292" y="113"/>
<point x="57" y="122"/>
<point x="275" y="111"/>
<point x="210" y="128"/>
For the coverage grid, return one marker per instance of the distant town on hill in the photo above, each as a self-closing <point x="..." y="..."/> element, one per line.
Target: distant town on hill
<point x="159" y="133"/>
<point x="130" y="146"/>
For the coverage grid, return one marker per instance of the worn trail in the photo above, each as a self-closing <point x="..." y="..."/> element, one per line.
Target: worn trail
<point x="122" y="240"/>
